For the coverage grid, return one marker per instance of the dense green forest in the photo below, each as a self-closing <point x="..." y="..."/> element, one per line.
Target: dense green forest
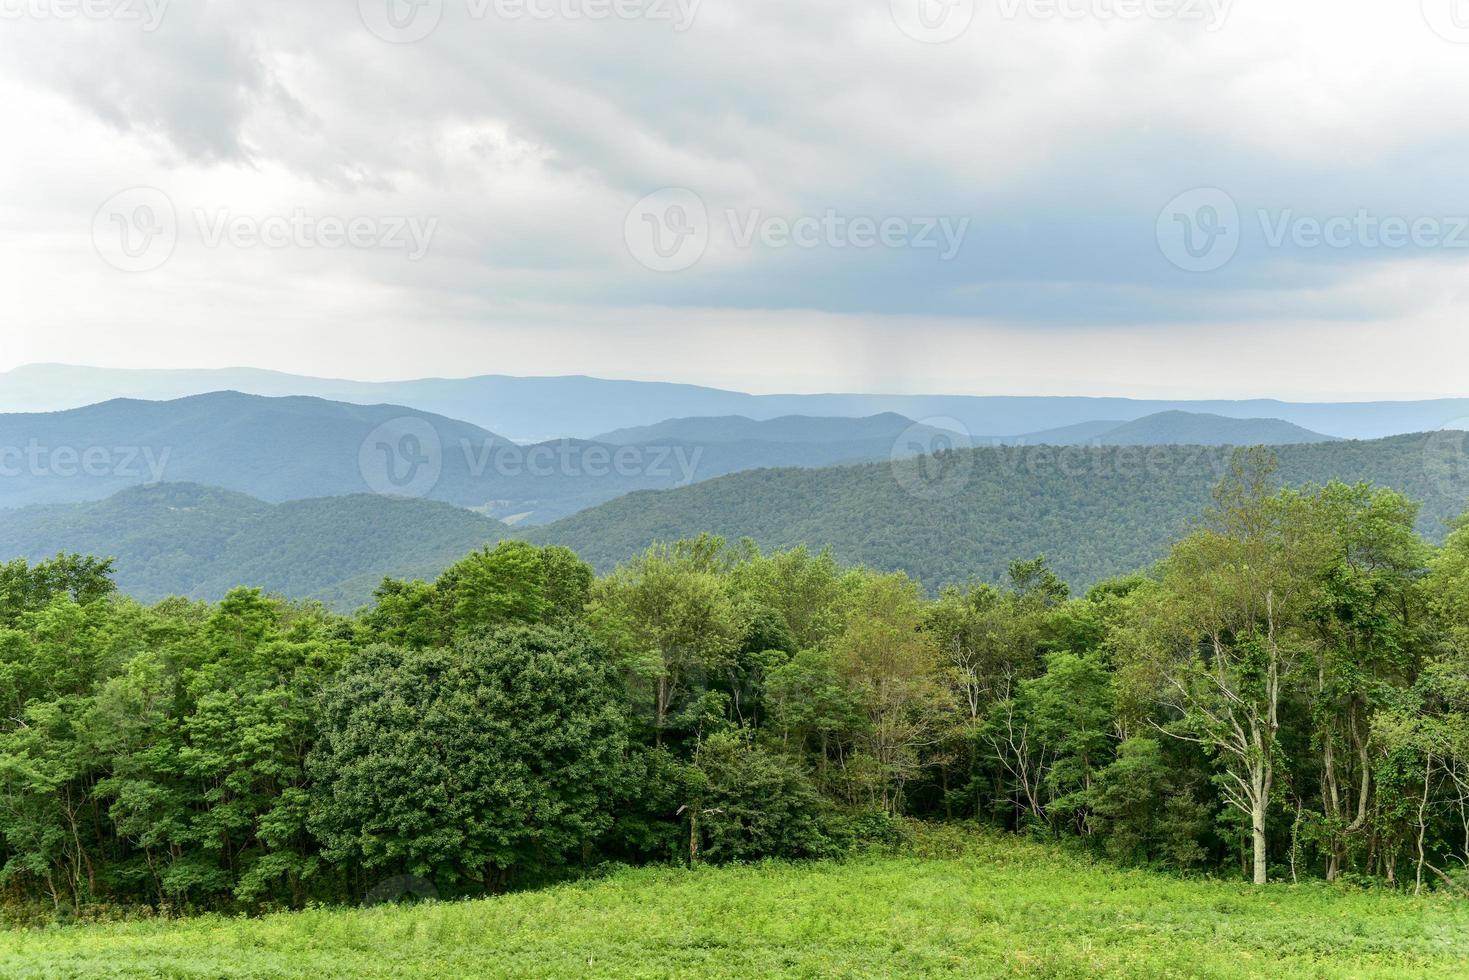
<point x="1096" y="511"/>
<point x="1284" y="696"/>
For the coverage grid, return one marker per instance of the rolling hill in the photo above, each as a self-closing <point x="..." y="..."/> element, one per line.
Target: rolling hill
<point x="537" y="409"/>
<point x="1094" y="511"/>
<point x="185" y="539"/>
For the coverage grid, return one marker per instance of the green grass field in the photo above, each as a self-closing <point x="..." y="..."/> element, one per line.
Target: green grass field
<point x="994" y="906"/>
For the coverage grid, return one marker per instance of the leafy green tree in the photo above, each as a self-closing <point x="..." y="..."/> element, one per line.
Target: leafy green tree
<point x="513" y="582"/>
<point x="891" y="665"/>
<point x="1071" y="709"/>
<point x="1144" y="812"/>
<point x="671" y="616"/>
<point x="805" y="589"/>
<point x="26" y="588"/>
<point x="812" y="712"/>
<point x="755" y="804"/>
<point x="496" y="757"/>
<point x="1367" y="613"/>
<point x="1236" y="595"/>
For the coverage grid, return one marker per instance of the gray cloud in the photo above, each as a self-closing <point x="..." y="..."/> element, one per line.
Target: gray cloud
<point x="1057" y="140"/>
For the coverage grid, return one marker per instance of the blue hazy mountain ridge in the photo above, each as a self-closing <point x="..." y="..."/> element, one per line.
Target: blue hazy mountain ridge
<point x="791" y="429"/>
<point x="1164" y="428"/>
<point x="1180" y="429"/>
<point x="297" y="447"/>
<point x="274" y="449"/>
<point x="535" y="409"/>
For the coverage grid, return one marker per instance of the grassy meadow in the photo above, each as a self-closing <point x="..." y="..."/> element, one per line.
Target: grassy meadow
<point x="951" y="905"/>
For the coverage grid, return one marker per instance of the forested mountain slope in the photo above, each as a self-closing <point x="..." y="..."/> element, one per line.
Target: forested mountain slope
<point x="185" y="539"/>
<point x="1094" y="512"/>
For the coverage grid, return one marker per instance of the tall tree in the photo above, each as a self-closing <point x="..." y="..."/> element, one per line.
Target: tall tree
<point x="1236" y="595"/>
<point x="671" y="616"/>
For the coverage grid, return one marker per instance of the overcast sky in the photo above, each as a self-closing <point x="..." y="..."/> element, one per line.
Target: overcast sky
<point x="1145" y="197"/>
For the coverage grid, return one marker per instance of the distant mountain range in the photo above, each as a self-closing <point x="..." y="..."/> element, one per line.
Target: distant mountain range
<point x="884" y="428"/>
<point x="537" y="409"/>
<point x="321" y="498"/>
<point x="275" y="449"/>
<point x="1179" y="429"/>
<point x="1164" y="428"/>
<point x="295" y="448"/>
